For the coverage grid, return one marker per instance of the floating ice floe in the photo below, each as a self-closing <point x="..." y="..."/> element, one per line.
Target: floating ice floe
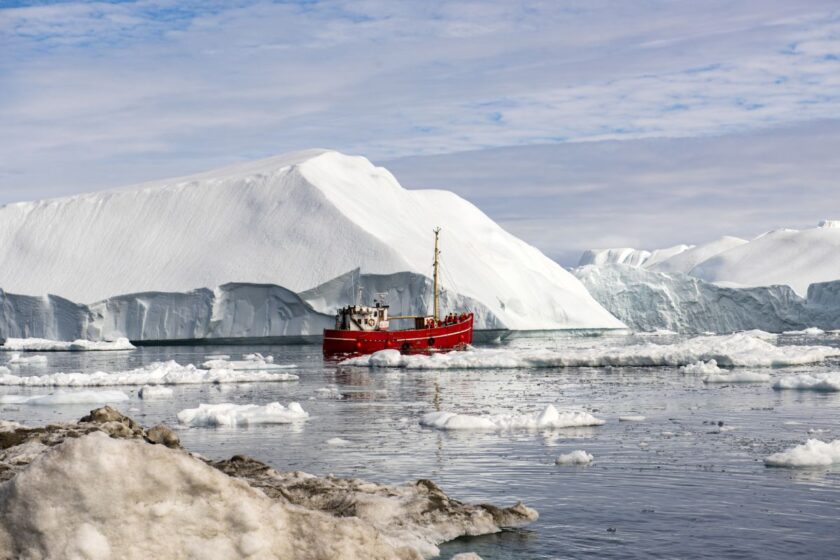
<point x="45" y="345"/>
<point x="739" y="349"/>
<point x="810" y="331"/>
<point x="338" y="442"/>
<point x="813" y="453"/>
<point x="577" y="457"/>
<point x="550" y="417"/>
<point x="632" y="418"/>
<point x="229" y="414"/>
<point x="257" y="357"/>
<point x="702" y="367"/>
<point x="245" y="365"/>
<point x="824" y="382"/>
<point x="329" y="393"/>
<point x="158" y="373"/>
<point x="148" y="392"/>
<point x="217" y="356"/>
<point x="737" y="377"/>
<point x="17" y="359"/>
<point x="78" y="397"/>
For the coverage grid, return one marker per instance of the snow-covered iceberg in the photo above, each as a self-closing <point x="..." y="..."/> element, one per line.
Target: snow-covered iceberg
<point x="297" y="221"/>
<point x="812" y="453"/>
<point x="647" y="300"/>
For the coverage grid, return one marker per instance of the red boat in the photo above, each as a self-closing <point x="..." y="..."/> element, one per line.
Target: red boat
<point x="362" y="329"/>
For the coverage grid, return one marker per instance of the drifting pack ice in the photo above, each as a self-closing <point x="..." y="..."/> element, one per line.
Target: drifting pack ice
<point x="780" y="281"/>
<point x="288" y="232"/>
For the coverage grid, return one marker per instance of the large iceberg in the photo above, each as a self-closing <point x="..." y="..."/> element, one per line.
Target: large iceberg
<point x="647" y="301"/>
<point x="297" y="221"/>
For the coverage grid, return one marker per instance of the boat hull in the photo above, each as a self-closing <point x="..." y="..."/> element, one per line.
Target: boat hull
<point x="450" y="336"/>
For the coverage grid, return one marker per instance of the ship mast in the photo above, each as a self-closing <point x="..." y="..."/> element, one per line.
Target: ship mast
<point x="436" y="266"/>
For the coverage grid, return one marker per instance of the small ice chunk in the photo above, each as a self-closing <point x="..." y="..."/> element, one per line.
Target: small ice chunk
<point x="813" y="453"/>
<point x="78" y="397"/>
<point x="329" y="393"/>
<point x="16" y="359"/>
<point x="550" y="417"/>
<point x="631" y="418"/>
<point x="811" y="331"/>
<point x="577" y="457"/>
<point x="702" y="367"/>
<point x="229" y="414"/>
<point x="823" y="382"/>
<point x="217" y="357"/>
<point x="338" y="442"/>
<point x="148" y="392"/>
<point x="737" y="377"/>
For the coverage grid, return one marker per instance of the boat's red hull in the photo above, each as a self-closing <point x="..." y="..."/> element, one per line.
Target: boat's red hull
<point x="450" y="336"/>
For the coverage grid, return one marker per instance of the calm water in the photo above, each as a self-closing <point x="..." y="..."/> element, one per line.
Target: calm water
<point x="667" y="487"/>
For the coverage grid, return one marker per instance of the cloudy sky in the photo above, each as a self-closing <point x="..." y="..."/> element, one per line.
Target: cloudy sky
<point x="574" y="124"/>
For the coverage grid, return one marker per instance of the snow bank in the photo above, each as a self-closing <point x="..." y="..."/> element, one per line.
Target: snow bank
<point x="228" y="414"/>
<point x="45" y="345"/>
<point x="97" y="497"/>
<point x="17" y="359"/>
<point x="148" y="392"/>
<point x="822" y="382"/>
<point x="306" y="218"/>
<point x="550" y="417"/>
<point x="78" y="397"/>
<point x="813" y="453"/>
<point x="701" y="367"/>
<point x="577" y="457"/>
<point x="737" y="377"/>
<point x="158" y="373"/>
<point x="739" y="349"/>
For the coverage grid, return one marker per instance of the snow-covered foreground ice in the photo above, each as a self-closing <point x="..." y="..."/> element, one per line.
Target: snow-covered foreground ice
<point x="823" y="382"/>
<point x="158" y="373"/>
<point x="45" y="345"/>
<point x="550" y="417"/>
<point x="739" y="349"/>
<point x="61" y="397"/>
<point x="812" y="453"/>
<point x="577" y="457"/>
<point x="232" y="415"/>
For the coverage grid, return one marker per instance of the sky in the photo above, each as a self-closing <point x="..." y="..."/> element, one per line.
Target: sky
<point x="574" y="124"/>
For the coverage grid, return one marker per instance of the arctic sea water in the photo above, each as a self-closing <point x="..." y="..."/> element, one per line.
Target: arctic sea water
<point x="678" y="467"/>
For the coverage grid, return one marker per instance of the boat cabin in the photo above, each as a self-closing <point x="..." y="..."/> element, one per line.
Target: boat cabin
<point x="362" y="318"/>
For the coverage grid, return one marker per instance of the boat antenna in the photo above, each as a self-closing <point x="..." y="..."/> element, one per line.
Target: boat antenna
<point x="359" y="298"/>
<point x="436" y="266"/>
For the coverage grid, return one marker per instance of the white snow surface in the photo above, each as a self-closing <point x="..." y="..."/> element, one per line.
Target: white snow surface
<point x="685" y="261"/>
<point x="550" y="417"/>
<point x="812" y="453"/>
<point x="232" y="415"/>
<point x="80" y="345"/>
<point x="738" y="349"/>
<point x="821" y="382"/>
<point x="576" y="457"/>
<point x="61" y="397"/>
<point x="795" y="258"/>
<point x="95" y="498"/>
<point x="158" y="373"/>
<point x="623" y="255"/>
<point x="305" y="218"/>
